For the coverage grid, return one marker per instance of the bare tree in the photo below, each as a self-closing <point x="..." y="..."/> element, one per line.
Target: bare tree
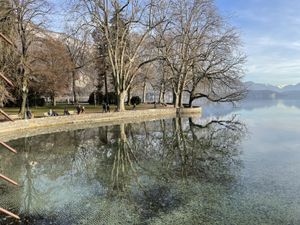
<point x="51" y="68"/>
<point x="144" y="80"/>
<point x="101" y="62"/>
<point x="30" y="16"/>
<point x="125" y="25"/>
<point x="78" y="48"/>
<point x="161" y="81"/>
<point x="217" y="75"/>
<point x="192" y="26"/>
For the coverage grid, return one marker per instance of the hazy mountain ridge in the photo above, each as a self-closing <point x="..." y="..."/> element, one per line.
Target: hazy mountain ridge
<point x="259" y="87"/>
<point x="267" y="91"/>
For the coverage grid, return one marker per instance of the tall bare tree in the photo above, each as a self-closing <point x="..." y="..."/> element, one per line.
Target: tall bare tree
<point x="125" y="25"/>
<point x="78" y="48"/>
<point x="102" y="62"/>
<point x="194" y="26"/>
<point x="30" y="16"/>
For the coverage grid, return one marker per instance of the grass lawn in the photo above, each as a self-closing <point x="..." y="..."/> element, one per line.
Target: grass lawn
<point x="59" y="108"/>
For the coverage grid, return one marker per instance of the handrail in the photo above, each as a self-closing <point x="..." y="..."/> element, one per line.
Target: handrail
<point x="6" y="115"/>
<point x="9" y="181"/>
<point x="6" y="79"/>
<point x="11" y="84"/>
<point x="2" y="143"/>
<point x="8" y="147"/>
<point x="9" y="213"/>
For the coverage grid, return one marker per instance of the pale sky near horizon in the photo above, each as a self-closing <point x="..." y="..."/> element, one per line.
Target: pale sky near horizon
<point x="270" y="32"/>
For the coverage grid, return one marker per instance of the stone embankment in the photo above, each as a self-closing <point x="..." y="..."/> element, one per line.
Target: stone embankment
<point x="23" y="128"/>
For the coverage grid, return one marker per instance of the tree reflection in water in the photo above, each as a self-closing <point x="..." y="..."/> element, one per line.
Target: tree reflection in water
<point x="141" y="170"/>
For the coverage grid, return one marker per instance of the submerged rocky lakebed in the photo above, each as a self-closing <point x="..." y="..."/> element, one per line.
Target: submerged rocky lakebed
<point x="241" y="169"/>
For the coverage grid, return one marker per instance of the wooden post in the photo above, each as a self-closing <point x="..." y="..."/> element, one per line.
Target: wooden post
<point x="8" y="147"/>
<point x="9" y="213"/>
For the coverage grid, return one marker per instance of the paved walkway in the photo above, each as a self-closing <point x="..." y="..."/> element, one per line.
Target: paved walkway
<point x="23" y="128"/>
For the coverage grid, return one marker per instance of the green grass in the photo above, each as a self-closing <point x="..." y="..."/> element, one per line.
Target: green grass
<point x="59" y="108"/>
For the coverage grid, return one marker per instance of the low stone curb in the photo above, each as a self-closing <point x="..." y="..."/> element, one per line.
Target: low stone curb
<point x="23" y="128"/>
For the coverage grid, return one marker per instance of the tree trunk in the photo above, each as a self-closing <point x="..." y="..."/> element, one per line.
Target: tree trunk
<point x="75" y="101"/>
<point x="144" y="92"/>
<point x="180" y="98"/>
<point x="162" y="94"/>
<point x="2" y="100"/>
<point x="191" y="99"/>
<point x="53" y="101"/>
<point x="128" y="96"/>
<point x="24" y="94"/>
<point x="121" y="101"/>
<point x="123" y="135"/>
<point x="23" y="104"/>
<point x="192" y="96"/>
<point x="106" y="87"/>
<point x="95" y="99"/>
<point x="176" y="100"/>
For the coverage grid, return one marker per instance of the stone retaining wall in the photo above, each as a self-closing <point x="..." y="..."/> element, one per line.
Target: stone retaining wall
<point x="23" y="128"/>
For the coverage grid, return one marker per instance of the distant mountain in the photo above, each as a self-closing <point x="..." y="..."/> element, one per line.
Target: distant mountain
<point x="267" y="91"/>
<point x="261" y="87"/>
<point x="295" y="87"/>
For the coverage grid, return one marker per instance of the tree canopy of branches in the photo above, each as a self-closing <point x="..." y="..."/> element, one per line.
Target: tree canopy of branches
<point x="185" y="47"/>
<point x="51" y="68"/>
<point x="8" y="58"/>
<point x="101" y="62"/>
<point x="29" y="16"/>
<point x="201" y="51"/>
<point x="121" y="21"/>
<point x="76" y="42"/>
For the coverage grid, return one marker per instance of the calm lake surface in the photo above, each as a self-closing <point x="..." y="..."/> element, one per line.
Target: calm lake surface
<point x="218" y="169"/>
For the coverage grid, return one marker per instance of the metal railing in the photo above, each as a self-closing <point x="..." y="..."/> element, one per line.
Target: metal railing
<point x="2" y="177"/>
<point x="7" y="179"/>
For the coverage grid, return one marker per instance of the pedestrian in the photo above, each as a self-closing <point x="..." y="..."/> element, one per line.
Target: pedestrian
<point x="50" y="113"/>
<point x="104" y="107"/>
<point x="82" y="109"/>
<point x="66" y="112"/>
<point x="78" y="109"/>
<point x="28" y="114"/>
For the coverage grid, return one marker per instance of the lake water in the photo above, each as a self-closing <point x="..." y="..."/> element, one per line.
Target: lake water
<point x="219" y="169"/>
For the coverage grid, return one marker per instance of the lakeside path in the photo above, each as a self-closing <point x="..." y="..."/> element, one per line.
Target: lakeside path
<point x="27" y="128"/>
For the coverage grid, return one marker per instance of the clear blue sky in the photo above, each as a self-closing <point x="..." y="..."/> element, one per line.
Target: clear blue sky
<point x="270" y="32"/>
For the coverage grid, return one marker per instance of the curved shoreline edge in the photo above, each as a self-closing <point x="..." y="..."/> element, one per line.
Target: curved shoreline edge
<point x="26" y="128"/>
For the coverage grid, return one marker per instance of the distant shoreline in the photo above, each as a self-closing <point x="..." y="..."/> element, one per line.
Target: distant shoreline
<point x="26" y="128"/>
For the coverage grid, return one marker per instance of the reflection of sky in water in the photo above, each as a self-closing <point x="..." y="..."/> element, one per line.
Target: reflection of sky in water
<point x="74" y="175"/>
<point x="271" y="151"/>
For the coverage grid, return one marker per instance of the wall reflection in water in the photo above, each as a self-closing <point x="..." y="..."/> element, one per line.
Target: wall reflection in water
<point x="126" y="174"/>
